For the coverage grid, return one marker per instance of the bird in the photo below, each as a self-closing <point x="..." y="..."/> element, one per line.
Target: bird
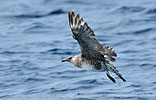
<point x="94" y="57"/>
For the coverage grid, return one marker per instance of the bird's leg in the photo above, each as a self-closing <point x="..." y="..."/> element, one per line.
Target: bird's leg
<point x="73" y="36"/>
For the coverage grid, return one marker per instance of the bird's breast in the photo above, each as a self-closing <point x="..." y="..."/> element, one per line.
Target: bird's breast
<point x="92" y="68"/>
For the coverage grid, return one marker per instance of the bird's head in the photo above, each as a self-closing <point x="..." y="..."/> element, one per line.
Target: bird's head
<point x="69" y="59"/>
<point x="75" y="59"/>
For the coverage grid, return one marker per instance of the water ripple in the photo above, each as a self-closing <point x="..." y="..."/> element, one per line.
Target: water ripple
<point x="127" y="9"/>
<point x="55" y="12"/>
<point x="143" y="31"/>
<point x="151" y="11"/>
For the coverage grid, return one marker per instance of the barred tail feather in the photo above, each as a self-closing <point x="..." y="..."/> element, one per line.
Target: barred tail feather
<point x="109" y="53"/>
<point x="114" y="70"/>
<point x="110" y="77"/>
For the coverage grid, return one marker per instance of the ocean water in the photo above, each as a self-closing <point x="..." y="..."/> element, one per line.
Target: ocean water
<point x="35" y="37"/>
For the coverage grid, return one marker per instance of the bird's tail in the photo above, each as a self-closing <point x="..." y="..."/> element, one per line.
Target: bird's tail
<point x="114" y="70"/>
<point x="110" y="77"/>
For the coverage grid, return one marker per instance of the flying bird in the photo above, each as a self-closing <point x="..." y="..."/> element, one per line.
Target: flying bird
<point x="94" y="57"/>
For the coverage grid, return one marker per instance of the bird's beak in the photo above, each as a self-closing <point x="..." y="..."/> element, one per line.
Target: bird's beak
<point x="65" y="60"/>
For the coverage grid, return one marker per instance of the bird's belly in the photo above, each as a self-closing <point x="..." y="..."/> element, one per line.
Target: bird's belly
<point x="92" y="68"/>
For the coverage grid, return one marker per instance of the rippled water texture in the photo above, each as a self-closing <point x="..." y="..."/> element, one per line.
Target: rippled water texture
<point x="35" y="36"/>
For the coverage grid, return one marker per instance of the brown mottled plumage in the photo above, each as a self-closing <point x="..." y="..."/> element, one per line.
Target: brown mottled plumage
<point x="93" y="56"/>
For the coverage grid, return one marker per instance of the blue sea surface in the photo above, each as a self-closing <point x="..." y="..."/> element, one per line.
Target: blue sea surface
<point x="35" y="37"/>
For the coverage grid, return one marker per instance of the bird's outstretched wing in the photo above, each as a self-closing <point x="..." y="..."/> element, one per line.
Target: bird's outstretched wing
<point x="90" y="47"/>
